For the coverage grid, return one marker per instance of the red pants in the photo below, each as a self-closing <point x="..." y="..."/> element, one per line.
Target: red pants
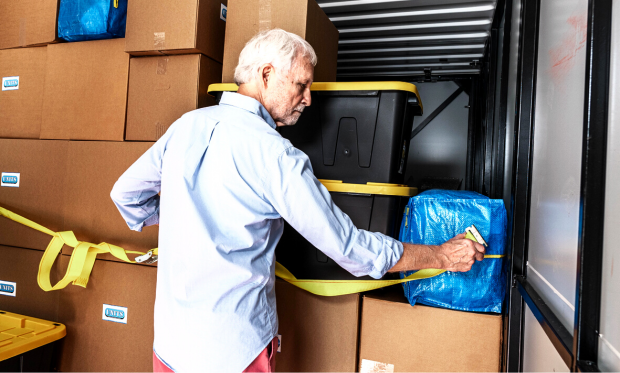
<point x="264" y="362"/>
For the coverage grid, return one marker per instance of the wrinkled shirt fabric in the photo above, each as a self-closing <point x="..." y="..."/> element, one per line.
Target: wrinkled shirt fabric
<point x="227" y="180"/>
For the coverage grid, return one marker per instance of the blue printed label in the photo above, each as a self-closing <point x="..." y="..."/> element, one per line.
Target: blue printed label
<point x="10" y="179"/>
<point x="114" y="313"/>
<point x="223" y="11"/>
<point x="10" y="83"/>
<point x="8" y="288"/>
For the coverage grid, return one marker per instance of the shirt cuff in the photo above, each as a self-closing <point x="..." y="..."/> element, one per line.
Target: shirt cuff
<point x="151" y="220"/>
<point x="391" y="254"/>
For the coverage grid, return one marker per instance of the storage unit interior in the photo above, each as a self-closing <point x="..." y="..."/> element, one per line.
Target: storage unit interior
<point x="509" y="90"/>
<point x="463" y="63"/>
<point x="487" y="72"/>
<point x="448" y="50"/>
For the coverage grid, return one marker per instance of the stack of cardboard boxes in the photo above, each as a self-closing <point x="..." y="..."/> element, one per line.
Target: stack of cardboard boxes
<point x="75" y="116"/>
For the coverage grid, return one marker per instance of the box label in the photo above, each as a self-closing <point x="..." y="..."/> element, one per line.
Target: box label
<point x="10" y="83"/>
<point x="223" y="11"/>
<point x="8" y="288"/>
<point x="10" y="179"/>
<point x="114" y="313"/>
<point x="279" y="342"/>
<point x="369" y="366"/>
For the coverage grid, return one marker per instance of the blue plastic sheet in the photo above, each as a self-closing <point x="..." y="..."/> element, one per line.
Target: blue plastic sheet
<point x="80" y="20"/>
<point x="434" y="217"/>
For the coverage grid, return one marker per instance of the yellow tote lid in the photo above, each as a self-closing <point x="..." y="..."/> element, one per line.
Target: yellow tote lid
<point x="337" y="86"/>
<point x="222" y="87"/>
<point x="370" y="188"/>
<point x="19" y="334"/>
<point x="364" y="86"/>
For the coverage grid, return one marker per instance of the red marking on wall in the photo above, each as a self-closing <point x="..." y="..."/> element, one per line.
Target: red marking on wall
<point x="562" y="56"/>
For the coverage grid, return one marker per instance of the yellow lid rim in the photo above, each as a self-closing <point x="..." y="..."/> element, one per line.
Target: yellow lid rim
<point x="370" y="188"/>
<point x="337" y="86"/>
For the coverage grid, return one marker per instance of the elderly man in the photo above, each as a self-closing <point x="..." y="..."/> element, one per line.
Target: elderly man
<point x="227" y="180"/>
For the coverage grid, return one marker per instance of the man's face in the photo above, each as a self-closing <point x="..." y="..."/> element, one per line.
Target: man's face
<point x="287" y="95"/>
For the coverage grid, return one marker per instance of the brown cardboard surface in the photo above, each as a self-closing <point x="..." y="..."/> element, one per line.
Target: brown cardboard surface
<point x="39" y="197"/>
<point x="163" y="88"/>
<point x="427" y="339"/>
<point x="93" y="344"/>
<point x="20" y="109"/>
<point x="92" y="169"/>
<point x="167" y="27"/>
<point x="323" y="36"/>
<point x="21" y="266"/>
<point x="85" y="91"/>
<point x="302" y="17"/>
<point x="28" y="22"/>
<point x="319" y="334"/>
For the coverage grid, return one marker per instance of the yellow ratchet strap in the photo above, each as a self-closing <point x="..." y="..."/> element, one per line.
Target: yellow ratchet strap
<point x="330" y="288"/>
<point x="84" y="255"/>
<point x="116" y="3"/>
<point x="82" y="258"/>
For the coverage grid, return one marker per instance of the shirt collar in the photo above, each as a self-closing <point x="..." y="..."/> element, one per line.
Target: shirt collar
<point x="249" y="104"/>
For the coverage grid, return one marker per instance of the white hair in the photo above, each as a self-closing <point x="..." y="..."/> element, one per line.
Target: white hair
<point x="277" y="47"/>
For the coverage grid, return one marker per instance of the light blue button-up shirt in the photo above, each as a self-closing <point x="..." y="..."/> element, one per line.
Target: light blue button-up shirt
<point x="227" y="180"/>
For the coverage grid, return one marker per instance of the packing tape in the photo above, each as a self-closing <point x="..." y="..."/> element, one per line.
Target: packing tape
<point x="162" y="66"/>
<point x="159" y="40"/>
<point x="22" y="32"/>
<point x="264" y="15"/>
<point x="84" y="255"/>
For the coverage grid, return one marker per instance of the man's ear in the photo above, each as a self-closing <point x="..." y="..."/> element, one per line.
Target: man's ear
<point x="267" y="73"/>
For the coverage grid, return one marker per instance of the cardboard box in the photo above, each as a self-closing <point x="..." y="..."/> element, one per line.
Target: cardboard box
<point x="21" y="97"/>
<point x="28" y="22"/>
<point x="21" y="266"/>
<point x="85" y="91"/>
<point x="93" y="344"/>
<point x="162" y="89"/>
<point x="302" y="17"/>
<point x="427" y="339"/>
<point x="319" y="334"/>
<point x="156" y="27"/>
<point x="92" y="169"/>
<point x="38" y="196"/>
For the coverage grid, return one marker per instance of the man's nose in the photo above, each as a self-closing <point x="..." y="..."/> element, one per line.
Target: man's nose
<point x="307" y="100"/>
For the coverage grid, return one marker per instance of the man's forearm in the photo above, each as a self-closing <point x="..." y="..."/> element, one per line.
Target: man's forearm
<point x="416" y="257"/>
<point x="456" y="255"/>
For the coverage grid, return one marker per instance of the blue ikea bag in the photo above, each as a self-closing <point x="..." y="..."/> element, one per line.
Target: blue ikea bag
<point x="435" y="216"/>
<point x="80" y="20"/>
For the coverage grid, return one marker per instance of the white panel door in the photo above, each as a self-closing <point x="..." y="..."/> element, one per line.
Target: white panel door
<point x="539" y="354"/>
<point x="609" y="343"/>
<point x="556" y="172"/>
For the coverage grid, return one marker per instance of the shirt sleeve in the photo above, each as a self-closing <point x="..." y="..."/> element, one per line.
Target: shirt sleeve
<point x="135" y="194"/>
<point x="297" y="195"/>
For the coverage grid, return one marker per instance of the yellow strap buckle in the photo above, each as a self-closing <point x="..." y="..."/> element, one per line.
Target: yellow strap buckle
<point x="148" y="258"/>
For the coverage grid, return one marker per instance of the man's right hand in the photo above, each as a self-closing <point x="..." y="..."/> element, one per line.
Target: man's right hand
<point x="459" y="254"/>
<point x="456" y="255"/>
